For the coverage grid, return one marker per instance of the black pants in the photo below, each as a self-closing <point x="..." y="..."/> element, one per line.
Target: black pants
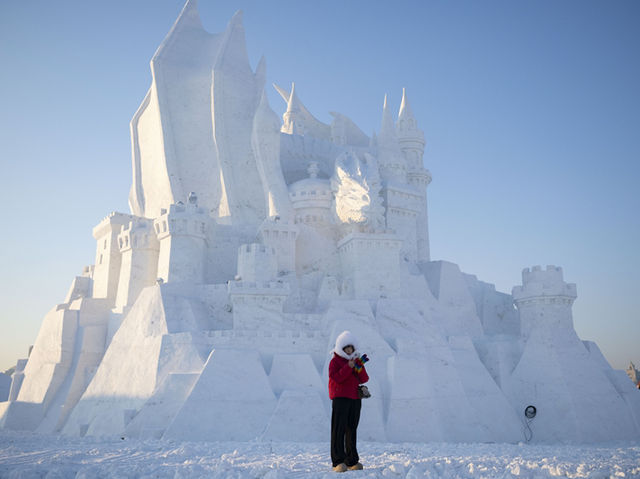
<point x="345" y="416"/>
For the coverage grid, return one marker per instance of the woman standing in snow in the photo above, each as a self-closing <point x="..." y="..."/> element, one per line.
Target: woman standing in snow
<point x="346" y="373"/>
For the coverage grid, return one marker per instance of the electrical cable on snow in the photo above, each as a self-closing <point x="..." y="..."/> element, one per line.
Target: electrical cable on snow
<point x="529" y="414"/>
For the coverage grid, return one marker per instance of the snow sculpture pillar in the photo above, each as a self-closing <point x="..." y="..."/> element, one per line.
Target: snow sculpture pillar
<point x="139" y="248"/>
<point x="412" y="143"/>
<point x="404" y="205"/>
<point x="311" y="199"/>
<point x="403" y="202"/>
<point x="281" y="235"/>
<point x="256" y="262"/>
<point x="544" y="301"/>
<point x="108" y="259"/>
<point x="370" y="265"/>
<point x="182" y="232"/>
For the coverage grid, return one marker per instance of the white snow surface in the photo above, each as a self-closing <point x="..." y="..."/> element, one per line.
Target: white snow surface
<point x="30" y="455"/>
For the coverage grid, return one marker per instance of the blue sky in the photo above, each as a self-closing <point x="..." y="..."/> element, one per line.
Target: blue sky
<point x="531" y="112"/>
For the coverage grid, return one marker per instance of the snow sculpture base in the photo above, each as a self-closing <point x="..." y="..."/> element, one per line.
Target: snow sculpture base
<point x="211" y="311"/>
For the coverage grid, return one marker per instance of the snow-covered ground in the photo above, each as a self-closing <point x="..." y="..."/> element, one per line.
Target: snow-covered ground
<point x="25" y="455"/>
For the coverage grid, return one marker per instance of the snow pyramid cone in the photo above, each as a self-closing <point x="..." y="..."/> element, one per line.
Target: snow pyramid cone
<point x="300" y="416"/>
<point x="232" y="400"/>
<point x="301" y="413"/>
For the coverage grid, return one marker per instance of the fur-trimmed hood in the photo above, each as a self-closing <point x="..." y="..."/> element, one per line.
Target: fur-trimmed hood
<point x="344" y="339"/>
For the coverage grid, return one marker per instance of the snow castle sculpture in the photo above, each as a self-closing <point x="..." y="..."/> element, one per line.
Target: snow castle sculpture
<point x="252" y="242"/>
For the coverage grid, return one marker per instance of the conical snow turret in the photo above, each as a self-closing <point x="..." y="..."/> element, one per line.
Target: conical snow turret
<point x="293" y="122"/>
<point x="410" y="138"/>
<point x="297" y="120"/>
<point x="393" y="166"/>
<point x="387" y="129"/>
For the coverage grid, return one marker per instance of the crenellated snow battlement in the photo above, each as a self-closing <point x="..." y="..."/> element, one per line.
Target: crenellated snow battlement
<point x="258" y="305"/>
<point x="382" y="240"/>
<point x="420" y="177"/>
<point x="138" y="233"/>
<point x="182" y="220"/>
<point x="539" y="284"/>
<point x="254" y="249"/>
<point x="256" y="262"/>
<point x="264" y="288"/>
<point x="280" y="235"/>
<point x="113" y="222"/>
<point x="259" y="333"/>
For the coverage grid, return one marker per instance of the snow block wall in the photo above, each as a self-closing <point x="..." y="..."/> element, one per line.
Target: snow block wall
<point x="211" y="311"/>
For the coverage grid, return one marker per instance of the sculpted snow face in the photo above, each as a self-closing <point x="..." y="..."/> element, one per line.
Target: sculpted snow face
<point x="356" y="185"/>
<point x="211" y="310"/>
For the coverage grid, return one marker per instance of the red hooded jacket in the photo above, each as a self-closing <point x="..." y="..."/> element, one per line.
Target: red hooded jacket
<point x="343" y="380"/>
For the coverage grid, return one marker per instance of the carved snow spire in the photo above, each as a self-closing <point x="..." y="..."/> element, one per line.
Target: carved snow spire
<point x="298" y="118"/>
<point x="387" y="130"/>
<point x="391" y="160"/>
<point x="261" y="74"/>
<point x="235" y="94"/>
<point x="233" y="48"/>
<point x="293" y="105"/>
<point x="189" y="19"/>
<point x="265" y="141"/>
<point x="410" y="138"/>
<point x="406" y="120"/>
<point x="293" y="121"/>
<point x="283" y="93"/>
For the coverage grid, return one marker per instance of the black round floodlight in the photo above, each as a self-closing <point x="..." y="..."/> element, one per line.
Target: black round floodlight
<point x="530" y="412"/>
